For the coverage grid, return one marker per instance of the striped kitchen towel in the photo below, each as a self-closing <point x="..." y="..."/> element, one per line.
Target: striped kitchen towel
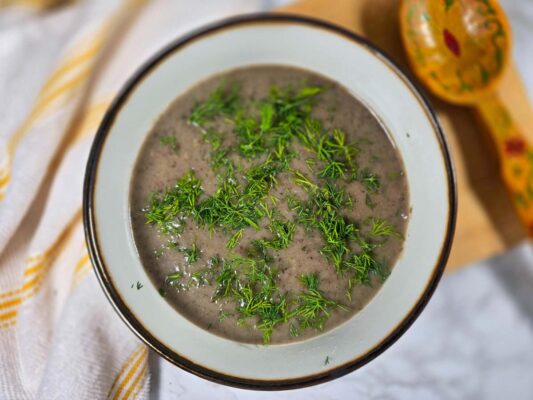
<point x="60" y="69"/>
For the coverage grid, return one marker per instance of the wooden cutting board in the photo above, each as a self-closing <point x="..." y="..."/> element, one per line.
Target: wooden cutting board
<point x="486" y="223"/>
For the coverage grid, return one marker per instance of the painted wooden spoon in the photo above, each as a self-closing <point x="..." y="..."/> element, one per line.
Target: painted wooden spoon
<point x="459" y="49"/>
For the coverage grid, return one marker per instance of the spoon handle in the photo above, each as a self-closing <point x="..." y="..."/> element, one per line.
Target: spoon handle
<point x="515" y="153"/>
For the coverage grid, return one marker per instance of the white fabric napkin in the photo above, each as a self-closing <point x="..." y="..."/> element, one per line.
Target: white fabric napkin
<point x="59" y="70"/>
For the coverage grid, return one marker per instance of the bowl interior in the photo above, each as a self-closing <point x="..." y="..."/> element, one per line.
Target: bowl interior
<point x="374" y="81"/>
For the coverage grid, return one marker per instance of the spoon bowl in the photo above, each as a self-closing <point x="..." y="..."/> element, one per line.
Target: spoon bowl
<point x="459" y="48"/>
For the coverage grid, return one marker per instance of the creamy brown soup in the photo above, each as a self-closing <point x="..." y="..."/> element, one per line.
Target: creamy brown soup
<point x="268" y="204"/>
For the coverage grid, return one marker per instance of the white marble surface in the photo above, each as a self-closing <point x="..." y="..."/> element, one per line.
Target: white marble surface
<point x="473" y="341"/>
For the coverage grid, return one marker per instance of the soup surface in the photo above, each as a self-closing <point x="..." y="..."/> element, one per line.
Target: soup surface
<point x="268" y="204"/>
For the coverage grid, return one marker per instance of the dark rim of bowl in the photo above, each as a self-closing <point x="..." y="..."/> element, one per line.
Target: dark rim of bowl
<point x="128" y="316"/>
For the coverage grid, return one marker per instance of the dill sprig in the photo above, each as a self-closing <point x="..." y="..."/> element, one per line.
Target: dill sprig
<point x="174" y="276"/>
<point x="227" y="209"/>
<point x="219" y="159"/>
<point x="361" y="265"/>
<point x="337" y="232"/>
<point x="281" y="115"/>
<point x="370" y="181"/>
<point x="283" y="232"/>
<point x="234" y="239"/>
<point x="310" y="281"/>
<point x="233" y="208"/>
<point x="222" y="101"/>
<point x="322" y="212"/>
<point x="380" y="227"/>
<point x="170" y="141"/>
<point x="337" y="154"/>
<point x="252" y="286"/>
<point x="212" y="137"/>
<point x="313" y="307"/>
<point x="165" y="208"/>
<point x="261" y="178"/>
<point x="251" y="138"/>
<point x="199" y="278"/>
<point x="176" y="280"/>
<point x="191" y="254"/>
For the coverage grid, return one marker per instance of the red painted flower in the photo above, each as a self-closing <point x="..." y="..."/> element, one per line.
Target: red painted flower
<point x="452" y="43"/>
<point x="515" y="146"/>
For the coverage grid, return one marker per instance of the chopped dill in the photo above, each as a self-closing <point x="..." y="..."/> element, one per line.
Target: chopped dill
<point x="159" y="252"/>
<point x="311" y="164"/>
<point x="219" y="159"/>
<point x="214" y="262"/>
<point x="234" y="239"/>
<point x="333" y="150"/>
<point x="251" y="138"/>
<point x="174" y="277"/>
<point x="267" y="133"/>
<point x="313" y="307"/>
<point x="199" y="278"/>
<point x="251" y="284"/>
<point x="170" y="141"/>
<point x="191" y="254"/>
<point x="293" y="330"/>
<point x="370" y="181"/>
<point x="222" y="315"/>
<point x="283" y="232"/>
<point x="165" y="208"/>
<point x="310" y="281"/>
<point x="380" y="227"/>
<point x="222" y="101"/>
<point x="322" y="212"/>
<point x="361" y="265"/>
<point x="213" y="138"/>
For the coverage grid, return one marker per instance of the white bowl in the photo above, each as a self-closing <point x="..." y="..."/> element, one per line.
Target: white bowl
<point x="375" y="80"/>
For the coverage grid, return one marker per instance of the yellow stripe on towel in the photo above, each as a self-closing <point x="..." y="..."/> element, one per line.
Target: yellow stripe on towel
<point x="77" y="59"/>
<point x="35" y="273"/>
<point x="60" y="86"/>
<point x="38" y="4"/>
<point x="136" y="384"/>
<point x="139" y="364"/>
<point x="82" y="269"/>
<point x="123" y="371"/>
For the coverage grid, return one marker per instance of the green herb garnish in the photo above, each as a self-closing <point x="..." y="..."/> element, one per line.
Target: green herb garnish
<point x="234" y="239"/>
<point x="293" y="330"/>
<point x="267" y="133"/>
<point x="174" y="277"/>
<point x="191" y="254"/>
<point x="165" y="208"/>
<point x="314" y="307"/>
<point x="222" y="315"/>
<point x="222" y="101"/>
<point x="170" y="141"/>
<point x="370" y="181"/>
<point x="380" y="227"/>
